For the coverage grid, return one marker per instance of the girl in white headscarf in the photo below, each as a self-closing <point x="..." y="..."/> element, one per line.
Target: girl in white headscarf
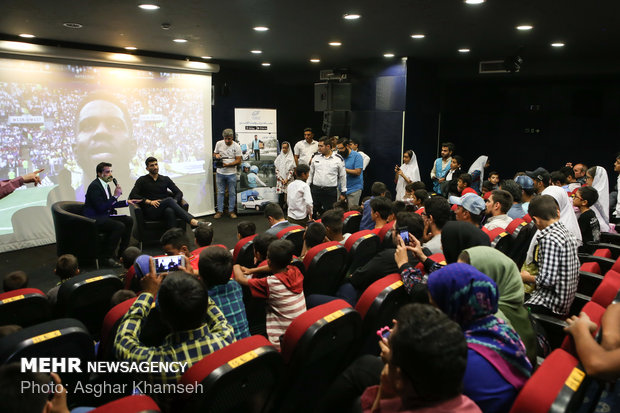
<point x="285" y="167"/>
<point x="478" y="178"/>
<point x="596" y="177"/>
<point x="407" y="173"/>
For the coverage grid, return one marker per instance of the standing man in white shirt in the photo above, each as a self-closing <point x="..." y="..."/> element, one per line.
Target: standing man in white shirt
<point x="326" y="173"/>
<point x="228" y="155"/>
<point x="304" y="150"/>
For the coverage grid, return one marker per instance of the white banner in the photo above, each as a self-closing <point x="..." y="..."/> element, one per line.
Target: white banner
<point x="255" y="120"/>
<point x="25" y="119"/>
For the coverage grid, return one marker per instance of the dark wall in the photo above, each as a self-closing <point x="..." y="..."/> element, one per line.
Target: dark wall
<point x="289" y="90"/>
<point x="526" y="123"/>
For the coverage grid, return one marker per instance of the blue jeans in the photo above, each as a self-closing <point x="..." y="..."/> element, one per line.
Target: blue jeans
<point x="222" y="182"/>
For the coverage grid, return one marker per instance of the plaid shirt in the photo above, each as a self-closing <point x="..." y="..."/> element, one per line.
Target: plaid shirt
<point x="229" y="299"/>
<point x="558" y="269"/>
<point x="181" y="346"/>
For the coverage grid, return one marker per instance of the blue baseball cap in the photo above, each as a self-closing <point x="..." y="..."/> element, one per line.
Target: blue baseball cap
<point x="471" y="202"/>
<point x="525" y="181"/>
<point x="142" y="265"/>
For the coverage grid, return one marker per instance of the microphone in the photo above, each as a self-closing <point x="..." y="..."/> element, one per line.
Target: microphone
<point x="115" y="181"/>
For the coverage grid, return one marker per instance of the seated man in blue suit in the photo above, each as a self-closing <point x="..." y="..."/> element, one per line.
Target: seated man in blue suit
<point x="100" y="205"/>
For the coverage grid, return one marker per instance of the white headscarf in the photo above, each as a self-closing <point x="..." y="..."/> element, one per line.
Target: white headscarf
<point x="478" y="165"/>
<point x="601" y="207"/>
<point x="567" y="217"/>
<point x="411" y="171"/>
<point x="285" y="162"/>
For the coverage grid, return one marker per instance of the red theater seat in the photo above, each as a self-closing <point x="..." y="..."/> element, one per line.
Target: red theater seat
<point x="241" y="377"/>
<point x="361" y="247"/>
<point x="603" y="252"/>
<point x="244" y="252"/>
<point x="87" y="297"/>
<point x="385" y="235"/>
<point x="595" y="312"/>
<point x="515" y="225"/>
<point x="316" y="347"/>
<point x="110" y="326"/>
<point x="325" y="265"/>
<point x="527" y="218"/>
<point x="557" y="383"/>
<point x="24" y="307"/>
<point x="351" y="222"/>
<point x="130" y="404"/>
<point x="295" y="234"/>
<point x="607" y="291"/>
<point x="377" y="306"/>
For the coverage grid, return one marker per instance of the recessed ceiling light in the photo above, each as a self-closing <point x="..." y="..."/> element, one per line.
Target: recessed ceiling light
<point x="474" y="1"/>
<point x="557" y="44"/>
<point x="265" y="64"/>
<point x="335" y="44"/>
<point x="388" y="54"/>
<point x="179" y="40"/>
<point x="148" y="6"/>
<point x="261" y="28"/>
<point x="27" y="35"/>
<point x="256" y="51"/>
<point x="130" y="48"/>
<point x="206" y="57"/>
<point x="524" y="27"/>
<point x="71" y="25"/>
<point x="352" y="16"/>
<point x="418" y="36"/>
<point x="315" y="60"/>
<point x="464" y="50"/>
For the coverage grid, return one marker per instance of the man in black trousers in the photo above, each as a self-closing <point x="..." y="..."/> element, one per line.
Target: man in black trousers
<point x="100" y="205"/>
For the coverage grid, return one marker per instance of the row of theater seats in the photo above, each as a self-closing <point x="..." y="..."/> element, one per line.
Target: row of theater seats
<point x="249" y="375"/>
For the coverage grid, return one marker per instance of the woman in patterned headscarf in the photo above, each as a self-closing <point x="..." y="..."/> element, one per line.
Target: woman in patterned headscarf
<point x="497" y="365"/>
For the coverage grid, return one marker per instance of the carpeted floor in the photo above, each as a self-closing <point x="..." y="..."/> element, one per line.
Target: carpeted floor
<point x="39" y="262"/>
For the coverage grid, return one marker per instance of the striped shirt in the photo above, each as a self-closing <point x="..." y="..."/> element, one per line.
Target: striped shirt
<point x="285" y="300"/>
<point x="558" y="269"/>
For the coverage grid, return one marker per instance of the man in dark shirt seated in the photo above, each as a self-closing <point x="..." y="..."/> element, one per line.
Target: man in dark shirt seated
<point x="161" y="197"/>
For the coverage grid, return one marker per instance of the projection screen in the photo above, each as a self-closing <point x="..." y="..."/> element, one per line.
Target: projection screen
<point x="45" y="112"/>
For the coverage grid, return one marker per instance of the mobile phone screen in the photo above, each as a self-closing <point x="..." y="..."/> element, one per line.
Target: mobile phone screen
<point x="168" y="263"/>
<point x="404" y="234"/>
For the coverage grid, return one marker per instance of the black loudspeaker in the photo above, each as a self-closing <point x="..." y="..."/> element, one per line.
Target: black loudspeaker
<point x="332" y="96"/>
<point x="337" y="123"/>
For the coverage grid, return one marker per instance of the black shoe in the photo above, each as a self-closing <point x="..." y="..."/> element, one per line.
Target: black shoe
<point x="110" y="263"/>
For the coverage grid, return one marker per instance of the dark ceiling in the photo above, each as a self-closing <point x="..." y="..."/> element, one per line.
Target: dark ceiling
<point x="300" y="30"/>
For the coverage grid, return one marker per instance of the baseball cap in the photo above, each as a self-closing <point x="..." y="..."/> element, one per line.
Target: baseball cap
<point x="471" y="202"/>
<point x="525" y="181"/>
<point x="142" y="266"/>
<point x="539" y="174"/>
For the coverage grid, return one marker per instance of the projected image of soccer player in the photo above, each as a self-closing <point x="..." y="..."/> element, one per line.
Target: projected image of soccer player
<point x="103" y="134"/>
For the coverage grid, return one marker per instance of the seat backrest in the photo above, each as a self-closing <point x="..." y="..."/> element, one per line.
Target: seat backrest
<point x="316" y="347"/>
<point x="112" y="319"/>
<point x="86" y="297"/>
<point x="324" y="268"/>
<point x="595" y="312"/>
<point x="75" y="234"/>
<point x="295" y="234"/>
<point x="521" y="244"/>
<point x="514" y="225"/>
<point x="592" y="267"/>
<point x="24" y="307"/>
<point x="242" y="376"/>
<point x="361" y="247"/>
<point x="385" y="235"/>
<point x="61" y="339"/>
<point x="502" y="242"/>
<point x="351" y="222"/>
<point x="527" y="218"/>
<point x="607" y="291"/>
<point x="555" y="386"/>
<point x="138" y="403"/>
<point x="377" y="306"/>
<point x="244" y="252"/>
